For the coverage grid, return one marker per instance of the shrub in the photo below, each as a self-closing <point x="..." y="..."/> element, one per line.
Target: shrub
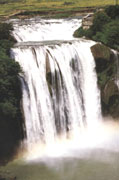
<point x="112" y="11"/>
<point x="5" y="29"/>
<point x="111" y="34"/>
<point x="83" y="32"/>
<point x="100" y="19"/>
<point x="79" y="32"/>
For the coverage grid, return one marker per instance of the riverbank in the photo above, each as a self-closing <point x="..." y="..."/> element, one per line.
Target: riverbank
<point x="49" y="14"/>
<point x="58" y="9"/>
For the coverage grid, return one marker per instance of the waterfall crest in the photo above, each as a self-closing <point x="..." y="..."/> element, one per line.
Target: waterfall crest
<point x="59" y="85"/>
<point x="45" y="29"/>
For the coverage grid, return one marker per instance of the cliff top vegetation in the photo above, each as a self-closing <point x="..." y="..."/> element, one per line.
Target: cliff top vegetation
<point x="12" y="7"/>
<point x="105" y="27"/>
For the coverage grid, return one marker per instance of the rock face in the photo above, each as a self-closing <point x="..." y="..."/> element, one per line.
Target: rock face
<point x="87" y="21"/>
<point x="106" y="67"/>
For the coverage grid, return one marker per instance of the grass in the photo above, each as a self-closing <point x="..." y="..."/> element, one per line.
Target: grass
<point x="10" y="7"/>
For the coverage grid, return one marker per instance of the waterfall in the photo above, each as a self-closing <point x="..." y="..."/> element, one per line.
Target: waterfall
<point x="116" y="56"/>
<point x="59" y="82"/>
<point x="44" y="30"/>
<point x="117" y="61"/>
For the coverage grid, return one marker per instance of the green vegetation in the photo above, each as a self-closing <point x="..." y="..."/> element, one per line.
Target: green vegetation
<point x="10" y="94"/>
<point x="11" y="7"/>
<point x="105" y="27"/>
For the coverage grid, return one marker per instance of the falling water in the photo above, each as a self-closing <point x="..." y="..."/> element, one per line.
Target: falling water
<point x="117" y="63"/>
<point x="44" y="30"/>
<point x="59" y="82"/>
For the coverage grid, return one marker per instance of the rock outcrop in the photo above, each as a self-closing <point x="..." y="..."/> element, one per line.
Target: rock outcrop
<point x="87" y="21"/>
<point x="106" y="67"/>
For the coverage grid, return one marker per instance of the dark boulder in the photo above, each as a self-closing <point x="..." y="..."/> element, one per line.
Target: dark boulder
<point x="101" y="55"/>
<point x="106" y="68"/>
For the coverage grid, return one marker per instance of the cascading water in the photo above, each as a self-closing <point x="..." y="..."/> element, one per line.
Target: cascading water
<point x="118" y="70"/>
<point x="59" y="82"/>
<point x="117" y="63"/>
<point x="45" y="30"/>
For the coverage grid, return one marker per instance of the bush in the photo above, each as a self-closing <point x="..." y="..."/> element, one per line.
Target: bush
<point x="111" y="34"/>
<point x="112" y="11"/>
<point x="83" y="32"/>
<point x="100" y="19"/>
<point x="5" y="31"/>
<point x="5" y="45"/>
<point x="98" y="36"/>
<point x="79" y="32"/>
<point x="8" y="109"/>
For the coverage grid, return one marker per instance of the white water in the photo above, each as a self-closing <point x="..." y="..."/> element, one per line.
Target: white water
<point x="117" y="63"/>
<point x="59" y="83"/>
<point x="42" y="29"/>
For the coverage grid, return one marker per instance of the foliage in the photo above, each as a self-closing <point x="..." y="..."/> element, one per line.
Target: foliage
<point x="105" y="28"/>
<point x="112" y="11"/>
<point x="10" y="92"/>
<point x="5" y="46"/>
<point x="80" y="32"/>
<point x="83" y="32"/>
<point x="100" y="19"/>
<point x="5" y="31"/>
<point x="110" y="34"/>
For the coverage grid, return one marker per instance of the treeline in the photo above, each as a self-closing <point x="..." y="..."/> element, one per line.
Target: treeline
<point x="105" y="27"/>
<point x="10" y="94"/>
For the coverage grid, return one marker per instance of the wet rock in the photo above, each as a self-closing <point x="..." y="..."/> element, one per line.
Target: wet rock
<point x="48" y="75"/>
<point x="102" y="56"/>
<point x="48" y="70"/>
<point x="106" y="68"/>
<point x="110" y="89"/>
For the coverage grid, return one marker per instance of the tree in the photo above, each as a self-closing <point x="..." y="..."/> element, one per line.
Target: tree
<point x="11" y="131"/>
<point x="112" y="11"/>
<point x="100" y="19"/>
<point x="111" y="34"/>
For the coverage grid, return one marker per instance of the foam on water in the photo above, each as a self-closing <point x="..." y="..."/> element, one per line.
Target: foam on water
<point x="61" y="100"/>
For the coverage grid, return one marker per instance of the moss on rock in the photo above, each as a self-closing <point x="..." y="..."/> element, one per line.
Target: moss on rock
<point x="106" y="68"/>
<point x="101" y="51"/>
<point x="102" y="56"/>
